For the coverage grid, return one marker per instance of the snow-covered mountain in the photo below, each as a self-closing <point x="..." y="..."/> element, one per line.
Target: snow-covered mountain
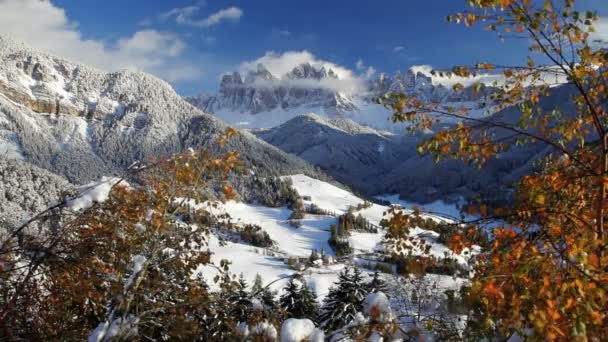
<point x="260" y="91"/>
<point x="82" y="123"/>
<point x="376" y="162"/>
<point x="260" y="99"/>
<point x="353" y="154"/>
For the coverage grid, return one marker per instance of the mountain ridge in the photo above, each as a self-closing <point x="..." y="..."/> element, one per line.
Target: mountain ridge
<point x="83" y="123"/>
<point x="242" y="98"/>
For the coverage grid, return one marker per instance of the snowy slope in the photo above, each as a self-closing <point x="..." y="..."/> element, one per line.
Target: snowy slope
<point x="325" y="195"/>
<point x="313" y="234"/>
<point x="299" y="242"/>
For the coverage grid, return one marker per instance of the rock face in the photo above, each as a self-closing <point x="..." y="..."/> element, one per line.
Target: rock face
<point x="259" y="92"/>
<point x="307" y="88"/>
<point x="82" y="123"/>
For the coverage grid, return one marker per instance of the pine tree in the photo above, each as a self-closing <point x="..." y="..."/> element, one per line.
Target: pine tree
<point x="343" y="302"/>
<point x="264" y="294"/>
<point x="258" y="284"/>
<point x="299" y="210"/>
<point x="290" y="298"/>
<point x="268" y="298"/>
<point x="299" y="301"/>
<point x="308" y="306"/>
<point x="376" y="284"/>
<point x="240" y="301"/>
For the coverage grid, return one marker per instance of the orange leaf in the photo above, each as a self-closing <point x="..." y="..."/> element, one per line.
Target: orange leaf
<point x="594" y="260"/>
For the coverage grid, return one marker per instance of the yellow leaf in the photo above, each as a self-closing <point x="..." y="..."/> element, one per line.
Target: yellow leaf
<point x="540" y="199"/>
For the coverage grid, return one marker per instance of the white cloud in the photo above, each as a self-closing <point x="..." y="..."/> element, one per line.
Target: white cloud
<point x="360" y="65"/>
<point x="398" y="48"/>
<point x="279" y="64"/>
<point x="185" y="15"/>
<point x="368" y="71"/>
<point x="148" y="42"/>
<point x="45" y="26"/>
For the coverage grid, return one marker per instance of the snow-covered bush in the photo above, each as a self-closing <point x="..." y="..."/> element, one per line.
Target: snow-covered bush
<point x="298" y="330"/>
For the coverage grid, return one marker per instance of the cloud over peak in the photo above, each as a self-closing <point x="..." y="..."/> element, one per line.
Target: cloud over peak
<point x="280" y="64"/>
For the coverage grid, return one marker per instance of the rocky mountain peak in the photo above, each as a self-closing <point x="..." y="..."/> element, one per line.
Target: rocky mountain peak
<point x="261" y="74"/>
<point x="308" y="71"/>
<point x="309" y="87"/>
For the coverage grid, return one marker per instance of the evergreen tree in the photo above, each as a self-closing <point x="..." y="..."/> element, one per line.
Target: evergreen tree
<point x="299" y="210"/>
<point x="290" y="298"/>
<point x="258" y="284"/>
<point x="264" y="294"/>
<point x="299" y="301"/>
<point x="343" y="302"/>
<point x="268" y="298"/>
<point x="240" y="301"/>
<point x="308" y="306"/>
<point x="376" y="284"/>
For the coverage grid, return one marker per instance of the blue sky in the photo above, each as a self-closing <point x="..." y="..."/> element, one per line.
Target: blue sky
<point x="190" y="43"/>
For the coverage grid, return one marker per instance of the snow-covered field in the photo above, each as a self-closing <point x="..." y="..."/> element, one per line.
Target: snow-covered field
<point x="299" y="242"/>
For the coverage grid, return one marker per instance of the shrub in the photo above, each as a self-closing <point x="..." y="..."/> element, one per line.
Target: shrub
<point x="254" y="235"/>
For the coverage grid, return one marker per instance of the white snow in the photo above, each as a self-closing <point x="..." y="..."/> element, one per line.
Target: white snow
<point x="313" y="234"/>
<point x="96" y="192"/>
<point x="270" y="264"/>
<point x="105" y="331"/>
<point x="377" y="306"/>
<point x="264" y="329"/>
<point x="324" y="195"/>
<point x="246" y="260"/>
<point x="138" y="264"/>
<point x="320" y="280"/>
<point x="365" y="242"/>
<point x="439" y="208"/>
<point x="296" y="330"/>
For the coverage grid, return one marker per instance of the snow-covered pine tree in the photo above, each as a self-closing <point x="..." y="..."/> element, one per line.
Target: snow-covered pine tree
<point x="268" y="298"/>
<point x="343" y="302"/>
<point x="258" y="284"/>
<point x="308" y="306"/>
<point x="264" y="294"/>
<point x="290" y="298"/>
<point x="299" y="301"/>
<point x="376" y="284"/>
<point x="240" y="301"/>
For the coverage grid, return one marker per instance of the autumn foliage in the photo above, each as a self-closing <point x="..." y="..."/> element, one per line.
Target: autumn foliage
<point x="545" y="274"/>
<point x="125" y="264"/>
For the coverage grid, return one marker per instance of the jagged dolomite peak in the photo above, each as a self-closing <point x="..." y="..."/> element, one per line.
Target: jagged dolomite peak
<point x="244" y="99"/>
